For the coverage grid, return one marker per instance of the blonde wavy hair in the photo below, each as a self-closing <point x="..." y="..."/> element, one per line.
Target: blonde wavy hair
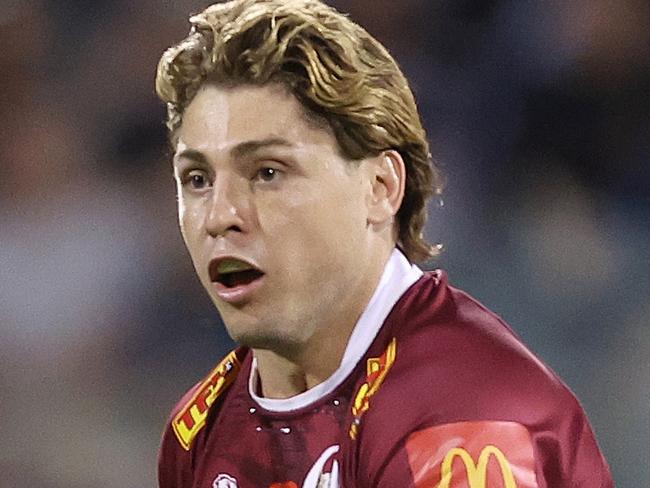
<point x="339" y="73"/>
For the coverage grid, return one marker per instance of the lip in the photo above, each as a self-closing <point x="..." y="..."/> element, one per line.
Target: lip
<point x="233" y="294"/>
<point x="239" y="293"/>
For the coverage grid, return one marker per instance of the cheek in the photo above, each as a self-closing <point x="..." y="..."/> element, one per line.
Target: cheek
<point x="189" y="216"/>
<point x="182" y="213"/>
<point x="189" y="219"/>
<point x="182" y="210"/>
<point x="313" y="228"/>
<point x="287" y="211"/>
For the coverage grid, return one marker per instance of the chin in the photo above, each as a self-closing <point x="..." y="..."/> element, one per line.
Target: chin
<point x="264" y="339"/>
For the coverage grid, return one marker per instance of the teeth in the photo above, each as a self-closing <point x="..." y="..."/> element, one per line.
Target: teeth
<point x="232" y="266"/>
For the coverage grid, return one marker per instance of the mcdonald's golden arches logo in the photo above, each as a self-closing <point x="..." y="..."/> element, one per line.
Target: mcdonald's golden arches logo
<point x="477" y="454"/>
<point x="476" y="473"/>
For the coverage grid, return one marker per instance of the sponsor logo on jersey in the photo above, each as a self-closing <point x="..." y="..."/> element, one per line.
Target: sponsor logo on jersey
<point x="191" y="418"/>
<point x="225" y="481"/>
<point x="377" y="369"/>
<point x="475" y="473"/>
<point x="484" y="454"/>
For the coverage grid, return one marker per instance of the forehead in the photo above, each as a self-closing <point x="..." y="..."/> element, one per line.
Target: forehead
<point x="219" y="118"/>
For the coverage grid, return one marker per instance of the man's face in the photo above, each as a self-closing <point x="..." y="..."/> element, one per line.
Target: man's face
<point x="274" y="218"/>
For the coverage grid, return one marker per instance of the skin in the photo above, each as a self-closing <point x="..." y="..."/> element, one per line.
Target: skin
<point x="257" y="180"/>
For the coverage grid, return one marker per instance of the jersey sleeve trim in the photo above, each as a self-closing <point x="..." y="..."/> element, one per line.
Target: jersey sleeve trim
<point x="191" y="418"/>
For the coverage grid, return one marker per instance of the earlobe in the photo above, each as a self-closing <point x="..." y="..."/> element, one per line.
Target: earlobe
<point x="389" y="180"/>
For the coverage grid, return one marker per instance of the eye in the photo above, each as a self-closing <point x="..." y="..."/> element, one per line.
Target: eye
<point x="267" y="174"/>
<point x="196" y="179"/>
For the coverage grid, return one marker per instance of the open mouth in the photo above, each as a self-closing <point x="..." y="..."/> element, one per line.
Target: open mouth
<point x="232" y="272"/>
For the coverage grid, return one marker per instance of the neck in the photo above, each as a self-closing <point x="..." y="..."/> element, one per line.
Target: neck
<point x="284" y="374"/>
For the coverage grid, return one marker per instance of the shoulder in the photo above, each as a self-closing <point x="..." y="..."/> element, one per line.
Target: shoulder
<point x="458" y="357"/>
<point x="188" y="420"/>
<point x="460" y="382"/>
<point x="189" y="415"/>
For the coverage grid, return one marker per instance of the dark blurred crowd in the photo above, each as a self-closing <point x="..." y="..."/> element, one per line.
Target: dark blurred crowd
<point x="537" y="112"/>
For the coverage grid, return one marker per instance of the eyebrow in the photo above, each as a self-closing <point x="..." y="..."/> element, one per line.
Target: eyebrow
<point x="241" y="150"/>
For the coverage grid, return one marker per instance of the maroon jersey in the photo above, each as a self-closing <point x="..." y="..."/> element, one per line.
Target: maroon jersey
<point x="434" y="391"/>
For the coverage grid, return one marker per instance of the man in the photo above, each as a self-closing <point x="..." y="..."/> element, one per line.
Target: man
<point x="302" y="171"/>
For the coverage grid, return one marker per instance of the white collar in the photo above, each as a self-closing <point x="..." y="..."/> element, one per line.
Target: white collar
<point x="398" y="276"/>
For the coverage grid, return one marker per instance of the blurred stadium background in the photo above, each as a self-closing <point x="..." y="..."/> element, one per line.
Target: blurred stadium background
<point x="537" y="111"/>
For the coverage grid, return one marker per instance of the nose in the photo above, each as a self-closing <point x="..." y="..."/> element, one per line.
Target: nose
<point x="227" y="208"/>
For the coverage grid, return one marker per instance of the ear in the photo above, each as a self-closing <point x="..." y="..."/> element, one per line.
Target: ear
<point x="388" y="179"/>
